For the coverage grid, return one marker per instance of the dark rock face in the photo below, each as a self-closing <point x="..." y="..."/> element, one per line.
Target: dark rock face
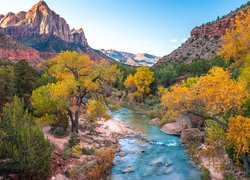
<point x="191" y="135"/>
<point x="204" y="41"/>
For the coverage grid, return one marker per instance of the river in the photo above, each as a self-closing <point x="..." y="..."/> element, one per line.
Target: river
<point x="155" y="155"/>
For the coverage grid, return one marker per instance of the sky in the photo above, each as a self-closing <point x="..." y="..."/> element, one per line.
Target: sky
<point x="139" y="26"/>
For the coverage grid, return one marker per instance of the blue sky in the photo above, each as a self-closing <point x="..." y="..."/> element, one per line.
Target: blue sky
<point x="148" y="26"/>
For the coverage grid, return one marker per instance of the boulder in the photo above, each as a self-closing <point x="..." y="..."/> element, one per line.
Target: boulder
<point x="191" y="135"/>
<point x="172" y="128"/>
<point x="184" y="121"/>
<point x="154" y="121"/>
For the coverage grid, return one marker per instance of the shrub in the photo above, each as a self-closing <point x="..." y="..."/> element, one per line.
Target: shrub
<point x="205" y="173"/>
<point x="24" y="147"/>
<point x="88" y="151"/>
<point x="77" y="149"/>
<point x="102" y="166"/>
<point x="59" y="132"/>
<point x="74" y="140"/>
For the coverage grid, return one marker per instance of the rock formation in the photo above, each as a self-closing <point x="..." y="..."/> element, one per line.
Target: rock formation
<point x="12" y="49"/>
<point x="40" y="21"/>
<point x="44" y="31"/>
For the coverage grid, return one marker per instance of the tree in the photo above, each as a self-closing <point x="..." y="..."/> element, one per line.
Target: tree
<point x="238" y="136"/>
<point x="6" y="85"/>
<point x="23" y="148"/>
<point x="49" y="109"/>
<point x="78" y="80"/>
<point x="235" y="42"/>
<point x="143" y="78"/>
<point x="141" y="81"/>
<point x="165" y="75"/>
<point x="129" y="83"/>
<point x="214" y="97"/>
<point x="24" y="78"/>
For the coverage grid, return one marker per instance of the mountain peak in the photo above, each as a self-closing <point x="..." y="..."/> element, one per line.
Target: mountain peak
<point x="40" y="22"/>
<point x="40" y="6"/>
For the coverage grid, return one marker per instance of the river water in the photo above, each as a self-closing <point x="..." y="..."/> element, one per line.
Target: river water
<point x="155" y="155"/>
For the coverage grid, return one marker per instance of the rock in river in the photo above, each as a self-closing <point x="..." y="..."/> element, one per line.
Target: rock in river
<point x="128" y="170"/>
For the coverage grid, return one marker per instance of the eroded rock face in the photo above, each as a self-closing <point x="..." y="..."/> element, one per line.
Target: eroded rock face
<point x="40" y="21"/>
<point x="204" y="41"/>
<point x="191" y="135"/>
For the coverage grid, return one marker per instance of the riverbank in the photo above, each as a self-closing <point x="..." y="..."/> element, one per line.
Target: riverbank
<point x="68" y="162"/>
<point x="219" y="166"/>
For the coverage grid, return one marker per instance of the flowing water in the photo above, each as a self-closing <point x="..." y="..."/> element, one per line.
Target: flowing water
<point x="155" y="155"/>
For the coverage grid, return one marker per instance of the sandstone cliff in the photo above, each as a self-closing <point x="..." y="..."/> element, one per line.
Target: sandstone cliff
<point x="40" y="21"/>
<point x="45" y="31"/>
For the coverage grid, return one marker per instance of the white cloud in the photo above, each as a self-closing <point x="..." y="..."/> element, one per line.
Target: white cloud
<point x="174" y="41"/>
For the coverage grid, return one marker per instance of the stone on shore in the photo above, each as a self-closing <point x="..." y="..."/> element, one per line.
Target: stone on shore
<point x="155" y="121"/>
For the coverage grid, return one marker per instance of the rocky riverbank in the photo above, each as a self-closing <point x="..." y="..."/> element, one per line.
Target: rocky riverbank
<point x="104" y="136"/>
<point x="192" y="134"/>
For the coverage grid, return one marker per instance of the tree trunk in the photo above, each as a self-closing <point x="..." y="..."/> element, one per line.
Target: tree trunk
<point x="246" y="161"/>
<point x="76" y="121"/>
<point x="71" y="120"/>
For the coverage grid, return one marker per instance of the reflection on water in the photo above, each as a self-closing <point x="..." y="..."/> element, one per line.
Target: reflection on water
<point x="155" y="156"/>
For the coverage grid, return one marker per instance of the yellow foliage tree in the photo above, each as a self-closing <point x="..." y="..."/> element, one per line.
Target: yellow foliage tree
<point x="143" y="78"/>
<point x="212" y="96"/>
<point x="217" y="98"/>
<point x="139" y="84"/>
<point x="238" y="136"/>
<point x="78" y="80"/>
<point x="129" y="83"/>
<point x="235" y="42"/>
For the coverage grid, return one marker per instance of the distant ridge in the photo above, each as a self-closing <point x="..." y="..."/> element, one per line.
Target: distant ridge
<point x="141" y="59"/>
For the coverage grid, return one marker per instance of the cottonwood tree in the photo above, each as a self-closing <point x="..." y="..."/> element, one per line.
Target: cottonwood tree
<point x="214" y="97"/>
<point x="235" y="42"/>
<point x="78" y="81"/>
<point x="139" y="85"/>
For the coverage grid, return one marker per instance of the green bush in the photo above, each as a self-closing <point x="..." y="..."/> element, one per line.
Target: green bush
<point x="74" y="140"/>
<point x="59" y="132"/>
<point x="205" y="173"/>
<point x="23" y="147"/>
<point x="88" y="151"/>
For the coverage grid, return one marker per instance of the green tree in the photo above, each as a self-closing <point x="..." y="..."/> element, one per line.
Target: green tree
<point x="24" y="79"/>
<point x="6" y="85"/>
<point x="23" y="149"/>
